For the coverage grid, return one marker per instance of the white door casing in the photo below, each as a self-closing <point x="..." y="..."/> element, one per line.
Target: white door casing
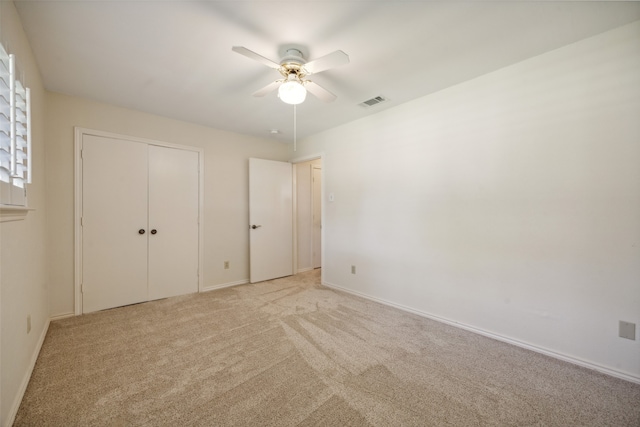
<point x="270" y="219"/>
<point x="316" y="197"/>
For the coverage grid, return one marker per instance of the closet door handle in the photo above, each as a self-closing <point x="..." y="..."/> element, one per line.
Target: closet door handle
<point x="141" y="231"/>
<point x="154" y="231"/>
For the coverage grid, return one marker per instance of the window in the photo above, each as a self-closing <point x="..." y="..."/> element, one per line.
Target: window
<point x="15" y="134"/>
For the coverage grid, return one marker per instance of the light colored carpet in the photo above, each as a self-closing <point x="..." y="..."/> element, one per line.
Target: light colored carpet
<point x="291" y="352"/>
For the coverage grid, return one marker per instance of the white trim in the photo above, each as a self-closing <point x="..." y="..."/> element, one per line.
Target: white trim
<point x="104" y="134"/>
<point x="13" y="213"/>
<point x="294" y="216"/>
<point x="25" y="380"/>
<point x="313" y="210"/>
<point x="307" y="158"/>
<point x="62" y="316"/>
<point x="585" y="364"/>
<point x="77" y="197"/>
<point x="225" y="285"/>
<point x="79" y="133"/>
<point x="303" y="270"/>
<point x="200" y="219"/>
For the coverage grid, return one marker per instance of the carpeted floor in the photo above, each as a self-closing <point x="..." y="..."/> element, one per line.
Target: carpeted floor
<point x="291" y="352"/>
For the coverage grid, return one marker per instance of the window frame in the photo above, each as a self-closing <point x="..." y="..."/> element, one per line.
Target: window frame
<point x="15" y="140"/>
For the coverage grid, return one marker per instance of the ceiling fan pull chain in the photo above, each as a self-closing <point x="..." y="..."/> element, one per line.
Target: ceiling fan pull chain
<point x="294" y="129"/>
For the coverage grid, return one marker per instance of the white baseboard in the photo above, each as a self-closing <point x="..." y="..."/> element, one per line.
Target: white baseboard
<point x="27" y="376"/>
<point x="537" y="349"/>
<point x="303" y="270"/>
<point x="62" y="316"/>
<point x="225" y="285"/>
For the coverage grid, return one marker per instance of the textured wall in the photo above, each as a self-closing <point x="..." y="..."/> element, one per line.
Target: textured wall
<point x="509" y="203"/>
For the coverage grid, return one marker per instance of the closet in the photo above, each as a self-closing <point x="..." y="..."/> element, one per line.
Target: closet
<point x="139" y="221"/>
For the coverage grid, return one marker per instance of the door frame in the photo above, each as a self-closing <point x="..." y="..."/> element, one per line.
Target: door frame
<point x="295" y="161"/>
<point x="79" y="133"/>
<point x="313" y="211"/>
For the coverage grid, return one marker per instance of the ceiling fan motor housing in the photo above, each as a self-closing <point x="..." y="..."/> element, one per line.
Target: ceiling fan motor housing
<point x="292" y="56"/>
<point x="292" y="63"/>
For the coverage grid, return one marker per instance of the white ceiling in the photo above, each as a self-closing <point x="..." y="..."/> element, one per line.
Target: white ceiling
<point x="174" y="58"/>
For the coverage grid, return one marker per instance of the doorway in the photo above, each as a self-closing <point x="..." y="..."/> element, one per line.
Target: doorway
<point x="308" y="215"/>
<point x="273" y="197"/>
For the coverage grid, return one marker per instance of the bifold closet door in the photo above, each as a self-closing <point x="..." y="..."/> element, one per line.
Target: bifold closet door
<point x="114" y="223"/>
<point x="173" y="221"/>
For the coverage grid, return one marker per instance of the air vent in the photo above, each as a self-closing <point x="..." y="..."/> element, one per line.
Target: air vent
<point x="373" y="101"/>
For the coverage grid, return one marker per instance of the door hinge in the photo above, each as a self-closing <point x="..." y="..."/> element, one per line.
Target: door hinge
<point x="81" y="288"/>
<point x="82" y="154"/>
<point x="81" y="222"/>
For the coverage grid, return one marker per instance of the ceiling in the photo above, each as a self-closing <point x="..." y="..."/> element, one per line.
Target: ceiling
<point x="174" y="58"/>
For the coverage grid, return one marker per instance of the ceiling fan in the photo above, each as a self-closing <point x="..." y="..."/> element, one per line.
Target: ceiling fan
<point x="293" y="87"/>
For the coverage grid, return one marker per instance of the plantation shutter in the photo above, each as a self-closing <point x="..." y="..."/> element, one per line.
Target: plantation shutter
<point x="15" y="133"/>
<point x="5" y="127"/>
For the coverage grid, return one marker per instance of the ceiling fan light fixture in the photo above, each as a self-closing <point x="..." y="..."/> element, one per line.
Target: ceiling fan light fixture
<point x="292" y="91"/>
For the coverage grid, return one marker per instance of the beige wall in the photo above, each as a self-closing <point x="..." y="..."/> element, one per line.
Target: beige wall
<point x="226" y="199"/>
<point x="509" y="203"/>
<point x="23" y="275"/>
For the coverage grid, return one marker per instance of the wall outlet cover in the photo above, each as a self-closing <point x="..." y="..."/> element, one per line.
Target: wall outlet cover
<point x="627" y="330"/>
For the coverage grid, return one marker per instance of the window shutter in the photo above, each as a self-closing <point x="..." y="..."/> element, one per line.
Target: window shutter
<point x="5" y="118"/>
<point x="15" y="133"/>
<point x="22" y="149"/>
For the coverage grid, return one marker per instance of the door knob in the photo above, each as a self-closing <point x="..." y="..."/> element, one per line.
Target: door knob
<point x="141" y="231"/>
<point x="154" y="231"/>
<point x="255" y="226"/>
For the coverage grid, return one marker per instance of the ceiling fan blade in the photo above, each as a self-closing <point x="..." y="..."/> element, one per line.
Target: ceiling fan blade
<point x="319" y="92"/>
<point x="268" y="88"/>
<point x="252" y="55"/>
<point x="331" y="60"/>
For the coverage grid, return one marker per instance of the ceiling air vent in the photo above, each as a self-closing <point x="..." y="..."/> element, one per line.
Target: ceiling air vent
<point x="373" y="101"/>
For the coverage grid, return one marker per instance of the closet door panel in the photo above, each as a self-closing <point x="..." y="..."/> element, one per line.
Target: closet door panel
<point x="173" y="214"/>
<point x="114" y="209"/>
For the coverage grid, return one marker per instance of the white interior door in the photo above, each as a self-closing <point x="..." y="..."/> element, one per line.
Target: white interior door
<point x="114" y="214"/>
<point x="270" y="219"/>
<point x="173" y="221"/>
<point x="316" y="197"/>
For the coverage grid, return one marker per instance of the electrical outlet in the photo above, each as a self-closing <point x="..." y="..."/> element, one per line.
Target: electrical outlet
<point x="353" y="269"/>
<point x="226" y="265"/>
<point x="28" y="323"/>
<point x="627" y="330"/>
